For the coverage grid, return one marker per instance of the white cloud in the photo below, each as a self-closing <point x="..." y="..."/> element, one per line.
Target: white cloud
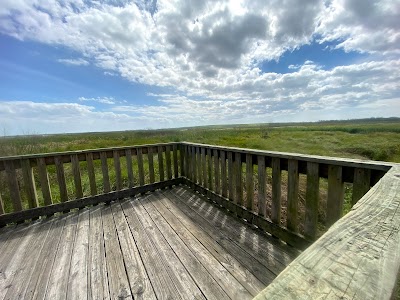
<point x="18" y="116"/>
<point x="103" y="100"/>
<point x="208" y="53"/>
<point x="73" y="61"/>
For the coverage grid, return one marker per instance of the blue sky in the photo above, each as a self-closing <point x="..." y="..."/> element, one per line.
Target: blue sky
<point x="76" y="66"/>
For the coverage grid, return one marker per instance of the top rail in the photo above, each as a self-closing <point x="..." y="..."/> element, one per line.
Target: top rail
<point x="356" y="258"/>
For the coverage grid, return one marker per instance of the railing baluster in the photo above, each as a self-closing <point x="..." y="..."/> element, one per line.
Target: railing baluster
<point x="140" y="166"/>
<point x="182" y="159"/>
<point x="186" y="160"/>
<point x="175" y="158"/>
<point x="204" y="166"/>
<point x="249" y="182"/>
<point x="335" y="200"/>
<point x="292" y="195"/>
<point x="238" y="179"/>
<point x="151" y="164"/>
<point x="312" y="198"/>
<point x="13" y="185"/>
<point x="231" y="177"/>
<point x="261" y="185"/>
<point x="224" y="188"/>
<point x="91" y="173"/>
<point x="128" y="156"/>
<point x="276" y="190"/>
<point x="76" y="171"/>
<point x="1" y="206"/>
<point x="29" y="183"/>
<point x="361" y="183"/>
<point x="160" y="162"/>
<point x="168" y="160"/>
<point x="209" y="170"/>
<point x="104" y="170"/>
<point x="216" y="172"/>
<point x="193" y="164"/>
<point x="58" y="160"/>
<point x="44" y="181"/>
<point x="117" y="167"/>
<point x="199" y="166"/>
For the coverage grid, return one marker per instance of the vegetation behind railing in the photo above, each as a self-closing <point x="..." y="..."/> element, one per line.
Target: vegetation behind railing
<point x="295" y="197"/>
<point x="33" y="181"/>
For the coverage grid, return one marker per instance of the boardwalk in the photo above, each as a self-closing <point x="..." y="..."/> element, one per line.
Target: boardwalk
<point x="170" y="244"/>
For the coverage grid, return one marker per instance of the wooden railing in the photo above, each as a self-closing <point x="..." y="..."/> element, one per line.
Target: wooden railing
<point x="264" y="187"/>
<point x="291" y="196"/>
<point x="43" y="184"/>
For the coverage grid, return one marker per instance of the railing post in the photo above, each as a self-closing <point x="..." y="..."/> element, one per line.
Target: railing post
<point x="312" y="198"/>
<point x="44" y="181"/>
<point x="249" y="182"/>
<point x="335" y="194"/>
<point x="293" y="195"/>
<point x="361" y="183"/>
<point x="104" y="170"/>
<point x="29" y="183"/>
<point x="151" y="164"/>
<point x="128" y="156"/>
<point x="58" y="160"/>
<point x="224" y="187"/>
<point x="261" y="185"/>
<point x="140" y="166"/>
<point x="117" y="167"/>
<point x="91" y="173"/>
<point x="76" y="171"/>
<point x="276" y="190"/>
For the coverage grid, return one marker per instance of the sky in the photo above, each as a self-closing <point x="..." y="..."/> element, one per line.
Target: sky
<point x="107" y="65"/>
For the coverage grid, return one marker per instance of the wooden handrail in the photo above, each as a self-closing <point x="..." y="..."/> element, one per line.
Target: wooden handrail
<point x="357" y="258"/>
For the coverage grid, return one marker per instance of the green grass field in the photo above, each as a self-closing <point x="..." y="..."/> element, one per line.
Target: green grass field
<point x="365" y="139"/>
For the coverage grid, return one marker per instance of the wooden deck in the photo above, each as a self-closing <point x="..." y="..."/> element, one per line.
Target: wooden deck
<point x="170" y="244"/>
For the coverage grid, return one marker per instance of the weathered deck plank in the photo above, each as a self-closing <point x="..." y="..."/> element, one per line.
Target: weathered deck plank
<point x="200" y="242"/>
<point x="171" y="244"/>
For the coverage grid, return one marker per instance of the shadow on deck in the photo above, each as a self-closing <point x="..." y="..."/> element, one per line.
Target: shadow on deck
<point x="168" y="244"/>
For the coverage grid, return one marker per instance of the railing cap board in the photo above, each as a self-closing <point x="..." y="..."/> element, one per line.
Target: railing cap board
<point x="357" y="258"/>
<point x="328" y="160"/>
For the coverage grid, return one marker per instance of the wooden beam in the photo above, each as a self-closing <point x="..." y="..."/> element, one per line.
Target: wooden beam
<point x="13" y="185"/>
<point x="117" y="167"/>
<point x="129" y="168"/>
<point x="61" y="179"/>
<point x="140" y="166"/>
<point x="361" y="184"/>
<point x="334" y="208"/>
<point x="175" y="160"/>
<point x="150" y="158"/>
<point x="44" y="181"/>
<point x="293" y="196"/>
<point x="231" y="177"/>
<point x="262" y="207"/>
<point x="168" y="160"/>
<point x="276" y="191"/>
<point x="76" y="171"/>
<point x="29" y="183"/>
<point x="238" y="179"/>
<point x="104" y="170"/>
<point x="357" y="258"/>
<point x="224" y="187"/>
<point x="91" y="174"/>
<point x="249" y="183"/>
<point x="312" y="199"/>
<point x="160" y="163"/>
<point x="216" y="172"/>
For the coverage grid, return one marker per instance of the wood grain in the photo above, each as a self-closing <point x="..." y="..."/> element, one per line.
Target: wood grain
<point x="312" y="200"/>
<point x="76" y="172"/>
<point x="91" y="174"/>
<point x="358" y="258"/>
<point x="29" y="183"/>
<point x="13" y="186"/>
